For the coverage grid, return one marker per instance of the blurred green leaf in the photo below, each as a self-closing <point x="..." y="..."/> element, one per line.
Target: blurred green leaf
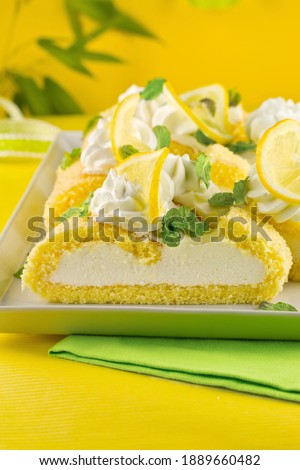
<point x="101" y="56"/>
<point x="131" y="26"/>
<point x="69" y="57"/>
<point x="105" y="11"/>
<point x="74" y="18"/>
<point x="99" y="10"/>
<point x="59" y="99"/>
<point x="31" y="94"/>
<point x="19" y="100"/>
<point x="213" y="4"/>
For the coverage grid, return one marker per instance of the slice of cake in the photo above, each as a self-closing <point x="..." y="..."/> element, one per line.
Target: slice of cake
<point x="103" y="269"/>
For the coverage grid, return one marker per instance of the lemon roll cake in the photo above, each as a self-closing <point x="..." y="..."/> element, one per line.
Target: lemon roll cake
<point x="274" y="184"/>
<point x="152" y="272"/>
<point x="154" y="207"/>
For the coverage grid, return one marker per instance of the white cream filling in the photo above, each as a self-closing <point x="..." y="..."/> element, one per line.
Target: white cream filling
<point x="190" y="264"/>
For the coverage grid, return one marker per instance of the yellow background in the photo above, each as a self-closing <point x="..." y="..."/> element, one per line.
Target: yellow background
<point x="52" y="404"/>
<point x="252" y="45"/>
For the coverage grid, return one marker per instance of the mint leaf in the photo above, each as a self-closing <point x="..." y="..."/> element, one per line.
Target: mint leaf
<point x="90" y="124"/>
<point x="203" y="168"/>
<point x="221" y="200"/>
<point x="81" y="211"/>
<point x="210" y="105"/>
<point x="237" y="197"/>
<point x="240" y="191"/>
<point x="153" y="89"/>
<point x="18" y="274"/>
<point x="128" y="150"/>
<point x="179" y="221"/>
<point x="163" y="136"/>
<point x="241" y="147"/>
<point x="234" y="97"/>
<point x="279" y="307"/>
<point x="202" y="138"/>
<point x="70" y="158"/>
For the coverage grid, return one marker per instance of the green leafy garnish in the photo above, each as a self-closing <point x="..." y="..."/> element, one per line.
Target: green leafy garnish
<point x="240" y="191"/>
<point x="70" y="158"/>
<point x="163" y="136"/>
<point x="234" y="97"/>
<point x="278" y="307"/>
<point x="237" y="197"/>
<point x="221" y="200"/>
<point x="203" y="168"/>
<point x="81" y="211"/>
<point x="18" y="274"/>
<point x="210" y="104"/>
<point x="90" y="124"/>
<point x="153" y="89"/>
<point x="203" y="139"/>
<point x="178" y="221"/>
<point x="128" y="150"/>
<point x="241" y="147"/>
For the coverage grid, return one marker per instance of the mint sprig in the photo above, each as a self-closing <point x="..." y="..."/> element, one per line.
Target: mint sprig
<point x="18" y="274"/>
<point x="69" y="158"/>
<point x="163" y="136"/>
<point x="203" y="168"/>
<point x="278" y="307"/>
<point x="241" y="147"/>
<point x="202" y="138"/>
<point x="81" y="211"/>
<point x="234" y="97"/>
<point x="237" y="197"/>
<point x="179" y="221"/>
<point x="128" y="150"/>
<point x="240" y="191"/>
<point x="210" y="105"/>
<point x="153" y="89"/>
<point x="221" y="200"/>
<point x="90" y="124"/>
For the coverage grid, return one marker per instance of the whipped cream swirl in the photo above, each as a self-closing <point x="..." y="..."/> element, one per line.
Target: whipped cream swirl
<point x="117" y="194"/>
<point x="97" y="156"/>
<point x="267" y="204"/>
<point x="180" y="184"/>
<point x="269" y="113"/>
<point x="161" y="111"/>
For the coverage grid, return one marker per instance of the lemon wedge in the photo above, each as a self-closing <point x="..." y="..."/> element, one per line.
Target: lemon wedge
<point x="145" y="169"/>
<point x="122" y="129"/>
<point x="214" y="126"/>
<point x="278" y="160"/>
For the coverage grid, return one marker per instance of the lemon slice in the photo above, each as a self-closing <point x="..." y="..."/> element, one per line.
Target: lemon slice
<point x="201" y="115"/>
<point x="122" y="131"/>
<point x="145" y="169"/>
<point x="278" y="160"/>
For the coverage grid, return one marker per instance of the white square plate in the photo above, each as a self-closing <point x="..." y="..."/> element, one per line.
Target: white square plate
<point x="24" y="312"/>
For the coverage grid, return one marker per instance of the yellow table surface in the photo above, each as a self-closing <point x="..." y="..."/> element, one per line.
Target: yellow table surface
<point x="48" y="403"/>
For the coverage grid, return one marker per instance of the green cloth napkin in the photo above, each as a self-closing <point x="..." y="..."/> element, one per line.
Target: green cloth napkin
<point x="270" y="368"/>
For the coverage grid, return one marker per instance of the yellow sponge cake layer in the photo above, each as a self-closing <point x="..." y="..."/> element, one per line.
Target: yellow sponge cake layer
<point x="290" y="231"/>
<point x="71" y="188"/>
